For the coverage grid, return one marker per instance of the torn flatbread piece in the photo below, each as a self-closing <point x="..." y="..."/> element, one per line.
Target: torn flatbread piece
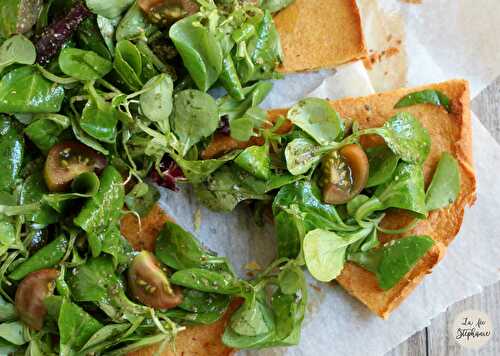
<point x="450" y="132"/>
<point x="199" y="340"/>
<point x="320" y="34"/>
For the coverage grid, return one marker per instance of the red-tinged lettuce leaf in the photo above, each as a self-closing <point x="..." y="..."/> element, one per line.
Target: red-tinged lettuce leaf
<point x="53" y="37"/>
<point x="170" y="174"/>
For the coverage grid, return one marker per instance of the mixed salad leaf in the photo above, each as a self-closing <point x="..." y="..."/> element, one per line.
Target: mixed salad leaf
<point x="102" y="101"/>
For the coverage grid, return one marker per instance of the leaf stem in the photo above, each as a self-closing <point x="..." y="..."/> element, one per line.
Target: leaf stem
<point x="367" y="208"/>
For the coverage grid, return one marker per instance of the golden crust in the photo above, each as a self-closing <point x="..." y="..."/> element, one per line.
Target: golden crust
<point x="195" y="340"/>
<point x="450" y="133"/>
<point x="320" y="34"/>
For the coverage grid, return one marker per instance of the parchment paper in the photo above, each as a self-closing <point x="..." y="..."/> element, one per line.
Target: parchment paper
<point x="440" y="40"/>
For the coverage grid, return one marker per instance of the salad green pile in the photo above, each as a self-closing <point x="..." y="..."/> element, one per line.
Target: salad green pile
<point x="100" y="100"/>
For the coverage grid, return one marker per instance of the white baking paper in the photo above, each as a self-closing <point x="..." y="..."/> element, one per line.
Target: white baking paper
<point x="440" y="40"/>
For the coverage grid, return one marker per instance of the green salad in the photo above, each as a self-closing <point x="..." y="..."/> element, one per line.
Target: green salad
<point x="102" y="102"/>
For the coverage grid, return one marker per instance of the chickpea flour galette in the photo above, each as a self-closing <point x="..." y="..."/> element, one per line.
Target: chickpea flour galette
<point x="102" y="102"/>
<point x="441" y="225"/>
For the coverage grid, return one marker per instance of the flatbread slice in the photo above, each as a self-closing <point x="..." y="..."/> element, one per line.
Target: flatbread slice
<point x="200" y="340"/>
<point x="450" y="132"/>
<point x="320" y="34"/>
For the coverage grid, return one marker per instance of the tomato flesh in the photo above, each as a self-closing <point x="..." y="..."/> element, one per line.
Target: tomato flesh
<point x="68" y="160"/>
<point x="30" y="294"/>
<point x="345" y="173"/>
<point x="149" y="283"/>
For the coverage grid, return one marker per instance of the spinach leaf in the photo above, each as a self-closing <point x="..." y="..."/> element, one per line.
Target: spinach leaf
<point x="180" y="250"/>
<point x="13" y="333"/>
<point x="32" y="192"/>
<point x="254" y="95"/>
<point x="206" y="281"/>
<point x="133" y="25"/>
<point x="83" y="65"/>
<point x="383" y="163"/>
<point x="354" y="204"/>
<point x="91" y="281"/>
<point x="86" y="139"/>
<point x="96" y="281"/>
<point x="7" y="348"/>
<point x="25" y="90"/>
<point x="7" y="311"/>
<point x="261" y="54"/>
<point x="251" y="319"/>
<point x="47" y="256"/>
<point x="302" y="200"/>
<point x="99" y="118"/>
<point x="75" y="327"/>
<point x="223" y="201"/>
<point x="243" y="128"/>
<point x="427" y="96"/>
<point x="324" y="252"/>
<point x="17" y="49"/>
<point x="189" y="318"/>
<point x="232" y="177"/>
<point x="233" y="339"/>
<point x="404" y="191"/>
<point x="199" y="170"/>
<point x="12" y="151"/>
<point x="200" y="308"/>
<point x="445" y="184"/>
<point x="256" y="161"/>
<point x="230" y="185"/>
<point x="156" y="101"/>
<point x="45" y="130"/>
<point x="317" y="118"/>
<point x="289" y="304"/>
<point x="270" y="320"/>
<point x="230" y="80"/>
<point x="199" y="49"/>
<point x="107" y="28"/>
<point x="117" y="246"/>
<point x="103" y="209"/>
<point x="366" y="244"/>
<point x="152" y="64"/>
<point x="200" y="302"/>
<point x="142" y="198"/>
<point x="303" y="154"/>
<point x="104" y="338"/>
<point x="394" y="259"/>
<point x="290" y="232"/>
<point x="128" y="64"/>
<point x="109" y="9"/>
<point x="137" y="343"/>
<point x="195" y="117"/>
<point x="7" y="240"/>
<point x="90" y="38"/>
<point x="405" y="136"/>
